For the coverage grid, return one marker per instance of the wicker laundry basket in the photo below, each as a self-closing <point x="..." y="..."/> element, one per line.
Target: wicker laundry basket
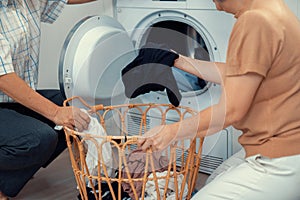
<point x="124" y="124"/>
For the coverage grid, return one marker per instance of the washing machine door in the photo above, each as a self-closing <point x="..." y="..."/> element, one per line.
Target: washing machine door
<point x="93" y="55"/>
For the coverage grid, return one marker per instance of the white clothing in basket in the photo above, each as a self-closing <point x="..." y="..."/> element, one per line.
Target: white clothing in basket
<point x="95" y="128"/>
<point x="151" y="190"/>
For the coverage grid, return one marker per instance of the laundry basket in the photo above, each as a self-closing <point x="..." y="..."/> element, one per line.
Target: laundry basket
<point x="133" y="174"/>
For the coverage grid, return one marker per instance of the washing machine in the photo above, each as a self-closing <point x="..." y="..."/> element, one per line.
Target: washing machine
<point x="99" y="47"/>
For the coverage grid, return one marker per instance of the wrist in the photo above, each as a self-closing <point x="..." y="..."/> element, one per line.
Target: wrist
<point x="174" y="130"/>
<point x="179" y="61"/>
<point x="53" y="112"/>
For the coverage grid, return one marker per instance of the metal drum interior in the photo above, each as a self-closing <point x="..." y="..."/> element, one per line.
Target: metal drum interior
<point x="185" y="40"/>
<point x="185" y="35"/>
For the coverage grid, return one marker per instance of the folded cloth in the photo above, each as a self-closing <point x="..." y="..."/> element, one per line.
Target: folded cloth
<point x="151" y="71"/>
<point x="92" y="156"/>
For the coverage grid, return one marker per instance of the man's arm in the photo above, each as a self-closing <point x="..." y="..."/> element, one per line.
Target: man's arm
<point x="18" y="90"/>
<point x="209" y="71"/>
<point x="79" y="1"/>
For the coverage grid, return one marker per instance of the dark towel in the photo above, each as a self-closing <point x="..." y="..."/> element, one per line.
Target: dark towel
<point x="151" y="71"/>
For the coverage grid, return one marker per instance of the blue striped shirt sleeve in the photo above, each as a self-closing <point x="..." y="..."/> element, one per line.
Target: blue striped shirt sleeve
<point x="5" y="57"/>
<point x="50" y="9"/>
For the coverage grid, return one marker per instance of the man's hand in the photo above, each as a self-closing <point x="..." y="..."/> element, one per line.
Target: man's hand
<point x="157" y="138"/>
<point x="16" y="88"/>
<point x="72" y="117"/>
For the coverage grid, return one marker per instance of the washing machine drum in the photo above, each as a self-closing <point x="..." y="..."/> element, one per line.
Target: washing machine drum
<point x="94" y="53"/>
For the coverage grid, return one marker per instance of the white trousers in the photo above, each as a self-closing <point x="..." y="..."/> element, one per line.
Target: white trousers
<point x="258" y="178"/>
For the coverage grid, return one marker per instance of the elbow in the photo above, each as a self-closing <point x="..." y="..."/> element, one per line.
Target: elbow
<point x="234" y="115"/>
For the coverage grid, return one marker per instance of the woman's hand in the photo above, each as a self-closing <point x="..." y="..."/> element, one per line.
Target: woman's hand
<point x="157" y="138"/>
<point x="72" y="117"/>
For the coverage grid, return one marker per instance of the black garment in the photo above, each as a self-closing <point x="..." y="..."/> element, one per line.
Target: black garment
<point x="151" y="71"/>
<point x="27" y="142"/>
<point x="105" y="192"/>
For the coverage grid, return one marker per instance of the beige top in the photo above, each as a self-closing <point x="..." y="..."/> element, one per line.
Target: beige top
<point x="266" y="40"/>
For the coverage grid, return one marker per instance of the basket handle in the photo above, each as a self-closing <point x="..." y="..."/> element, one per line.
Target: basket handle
<point x="92" y="108"/>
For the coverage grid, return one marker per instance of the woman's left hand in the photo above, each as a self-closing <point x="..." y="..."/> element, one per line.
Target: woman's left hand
<point x="157" y="138"/>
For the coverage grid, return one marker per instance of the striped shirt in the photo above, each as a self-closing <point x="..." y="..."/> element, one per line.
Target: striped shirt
<point x="20" y="31"/>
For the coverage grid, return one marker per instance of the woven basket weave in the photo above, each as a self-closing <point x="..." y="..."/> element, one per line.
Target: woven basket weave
<point x="124" y="124"/>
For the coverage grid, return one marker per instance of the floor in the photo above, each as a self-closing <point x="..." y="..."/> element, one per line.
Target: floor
<point x="57" y="182"/>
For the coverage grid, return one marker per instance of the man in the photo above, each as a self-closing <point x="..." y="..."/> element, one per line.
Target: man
<point x="28" y="140"/>
<point x="260" y="97"/>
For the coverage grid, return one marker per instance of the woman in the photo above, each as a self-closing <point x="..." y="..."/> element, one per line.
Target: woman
<point x="260" y="97"/>
<point x="28" y="140"/>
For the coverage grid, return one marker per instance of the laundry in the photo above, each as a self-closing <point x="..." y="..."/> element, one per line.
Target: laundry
<point x="136" y="162"/>
<point x="92" y="156"/>
<point x="156" y="60"/>
<point x="187" y="82"/>
<point x="151" y="193"/>
<point x="106" y="193"/>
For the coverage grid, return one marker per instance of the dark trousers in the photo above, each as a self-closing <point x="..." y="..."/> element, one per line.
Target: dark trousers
<point x="27" y="143"/>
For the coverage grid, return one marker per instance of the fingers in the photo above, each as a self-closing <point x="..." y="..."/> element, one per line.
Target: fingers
<point x="85" y="117"/>
<point x="84" y="120"/>
<point x="72" y="117"/>
<point x="147" y="144"/>
<point x="141" y="141"/>
<point x="79" y="125"/>
<point x="152" y="139"/>
<point x="81" y="120"/>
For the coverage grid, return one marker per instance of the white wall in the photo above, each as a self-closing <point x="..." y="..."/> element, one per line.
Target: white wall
<point x="294" y="6"/>
<point x="53" y="36"/>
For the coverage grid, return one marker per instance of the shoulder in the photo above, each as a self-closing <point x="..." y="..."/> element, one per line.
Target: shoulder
<point x="257" y="17"/>
<point x="258" y="22"/>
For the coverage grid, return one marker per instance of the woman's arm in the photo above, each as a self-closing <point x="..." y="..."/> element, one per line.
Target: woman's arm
<point x="209" y="71"/>
<point x="237" y="96"/>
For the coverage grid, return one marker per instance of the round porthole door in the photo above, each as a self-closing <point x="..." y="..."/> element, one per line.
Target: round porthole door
<point x="93" y="55"/>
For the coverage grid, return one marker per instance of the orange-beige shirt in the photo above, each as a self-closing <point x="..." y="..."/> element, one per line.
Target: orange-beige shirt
<point x="266" y="40"/>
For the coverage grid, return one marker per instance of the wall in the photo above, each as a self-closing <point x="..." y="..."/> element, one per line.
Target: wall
<point x="294" y="6"/>
<point x="53" y="36"/>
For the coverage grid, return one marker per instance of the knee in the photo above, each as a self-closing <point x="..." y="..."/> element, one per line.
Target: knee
<point x="38" y="144"/>
<point x="33" y="148"/>
<point x="46" y="144"/>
